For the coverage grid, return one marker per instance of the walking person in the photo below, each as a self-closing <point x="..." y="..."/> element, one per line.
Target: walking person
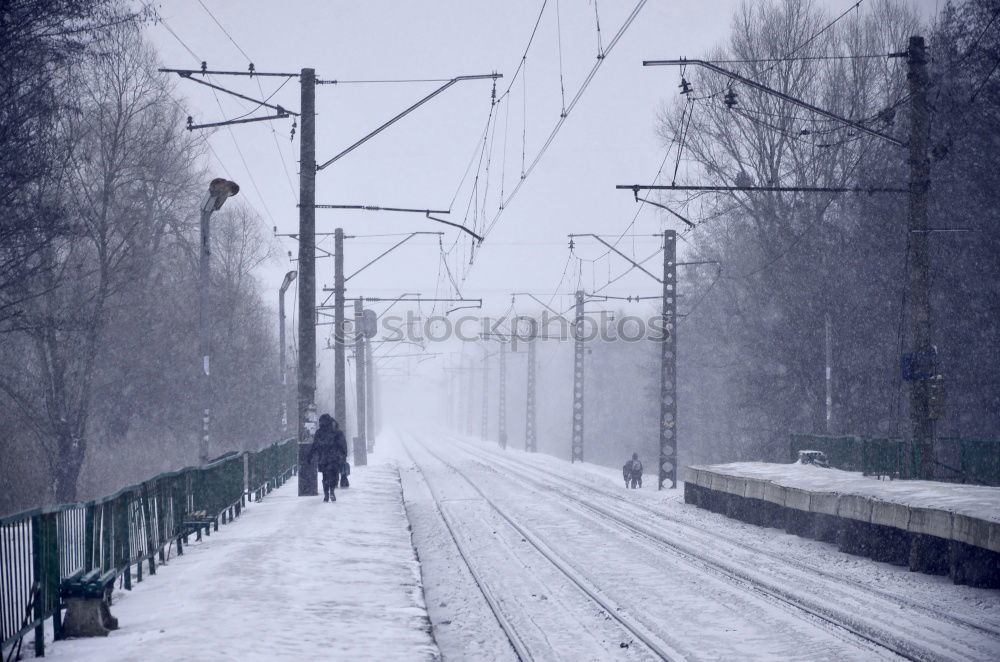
<point x="329" y="447"/>
<point x="632" y="472"/>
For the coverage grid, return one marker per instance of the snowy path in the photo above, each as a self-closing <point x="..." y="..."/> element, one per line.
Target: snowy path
<point x="292" y="579"/>
<point x="718" y="595"/>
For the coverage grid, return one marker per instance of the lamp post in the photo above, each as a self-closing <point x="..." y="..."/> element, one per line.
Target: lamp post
<point x="289" y="279"/>
<point x="218" y="191"/>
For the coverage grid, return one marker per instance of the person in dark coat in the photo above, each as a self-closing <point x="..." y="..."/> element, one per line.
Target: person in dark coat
<point x="329" y="447"/>
<point x="632" y="472"/>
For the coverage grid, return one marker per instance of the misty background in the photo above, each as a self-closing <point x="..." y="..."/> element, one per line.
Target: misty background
<point x="101" y="186"/>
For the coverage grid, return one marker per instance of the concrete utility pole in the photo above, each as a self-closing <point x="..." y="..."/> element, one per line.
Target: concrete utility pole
<point x="282" y="345"/>
<point x="668" y="364"/>
<point x="307" y="282"/>
<point x="828" y="352"/>
<point x="360" y="396"/>
<point x="470" y="416"/>
<point x="218" y="191"/>
<point x="486" y="395"/>
<point x="530" y="439"/>
<point x="576" y="448"/>
<point x="922" y="424"/>
<point x="502" y="400"/>
<point x="370" y="395"/>
<point x="339" y="359"/>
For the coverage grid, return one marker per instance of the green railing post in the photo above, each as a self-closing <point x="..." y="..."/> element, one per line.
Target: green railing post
<point x="88" y="535"/>
<point x="38" y="573"/>
<point x="123" y="561"/>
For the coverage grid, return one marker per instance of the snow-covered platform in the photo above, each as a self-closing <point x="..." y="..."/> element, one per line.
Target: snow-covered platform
<point x="293" y="578"/>
<point x="930" y="526"/>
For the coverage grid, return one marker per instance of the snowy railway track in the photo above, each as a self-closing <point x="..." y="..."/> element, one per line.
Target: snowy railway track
<point x="520" y="649"/>
<point x="900" y="601"/>
<point x="812" y="599"/>
<point x="661" y="650"/>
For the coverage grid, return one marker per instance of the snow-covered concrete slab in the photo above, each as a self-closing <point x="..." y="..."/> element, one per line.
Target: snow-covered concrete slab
<point x="293" y="578"/>
<point x="967" y="513"/>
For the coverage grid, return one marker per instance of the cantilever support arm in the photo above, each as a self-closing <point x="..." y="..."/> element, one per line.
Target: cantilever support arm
<point x="657" y="204"/>
<point x="537" y="300"/>
<point x="781" y="95"/>
<point x="279" y="109"/>
<point x="398" y="117"/>
<point x="386" y="252"/>
<point x="625" y="257"/>
<point x="456" y="225"/>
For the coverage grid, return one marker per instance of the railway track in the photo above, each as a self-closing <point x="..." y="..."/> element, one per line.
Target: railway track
<point x="657" y="648"/>
<point x="820" y="591"/>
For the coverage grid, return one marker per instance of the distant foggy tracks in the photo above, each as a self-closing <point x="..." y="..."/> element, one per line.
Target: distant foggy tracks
<point x="522" y="648"/>
<point x="841" y="605"/>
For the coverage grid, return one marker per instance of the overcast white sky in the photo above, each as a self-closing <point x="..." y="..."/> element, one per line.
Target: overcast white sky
<point x="609" y="138"/>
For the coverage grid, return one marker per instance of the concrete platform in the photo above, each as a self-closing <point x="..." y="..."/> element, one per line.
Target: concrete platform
<point x="930" y="526"/>
<point x="294" y="578"/>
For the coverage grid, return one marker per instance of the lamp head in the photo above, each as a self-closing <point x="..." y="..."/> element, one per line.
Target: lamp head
<point x="219" y="190"/>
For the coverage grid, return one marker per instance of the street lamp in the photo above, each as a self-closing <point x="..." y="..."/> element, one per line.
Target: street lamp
<point x="218" y="191"/>
<point x="289" y="278"/>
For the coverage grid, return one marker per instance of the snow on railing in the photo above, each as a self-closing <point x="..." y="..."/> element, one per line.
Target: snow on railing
<point x="41" y="547"/>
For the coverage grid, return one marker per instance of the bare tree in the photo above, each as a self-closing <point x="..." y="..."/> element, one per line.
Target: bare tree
<point x="39" y="41"/>
<point x="790" y="258"/>
<point x="125" y="148"/>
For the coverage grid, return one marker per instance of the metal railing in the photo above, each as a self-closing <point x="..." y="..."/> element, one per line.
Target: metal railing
<point x="40" y="548"/>
<point x="978" y="460"/>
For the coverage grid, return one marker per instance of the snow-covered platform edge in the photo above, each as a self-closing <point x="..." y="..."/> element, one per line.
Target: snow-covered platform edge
<point x="903" y="522"/>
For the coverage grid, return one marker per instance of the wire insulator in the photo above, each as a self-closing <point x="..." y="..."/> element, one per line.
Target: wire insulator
<point x="731" y="99"/>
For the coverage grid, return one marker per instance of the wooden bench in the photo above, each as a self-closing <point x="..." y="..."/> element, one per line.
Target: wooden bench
<point x="87" y="602"/>
<point x="198" y="521"/>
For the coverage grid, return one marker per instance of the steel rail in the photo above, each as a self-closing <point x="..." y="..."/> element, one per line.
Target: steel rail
<point x="520" y="649"/>
<point x="878" y="639"/>
<point x="659" y="648"/>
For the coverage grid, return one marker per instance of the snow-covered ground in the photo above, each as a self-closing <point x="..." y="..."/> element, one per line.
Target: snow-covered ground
<point x="703" y="586"/>
<point x="971" y="500"/>
<point x="557" y="558"/>
<point x="292" y="579"/>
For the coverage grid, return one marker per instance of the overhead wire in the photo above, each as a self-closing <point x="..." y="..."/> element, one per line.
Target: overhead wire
<point x="274" y="137"/>
<point x="568" y="109"/>
<point x="218" y="102"/>
<point x="597" y="20"/>
<point x="562" y="86"/>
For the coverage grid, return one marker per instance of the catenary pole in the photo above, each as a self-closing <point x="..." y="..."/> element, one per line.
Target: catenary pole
<point x="470" y="418"/>
<point x="502" y="399"/>
<point x="922" y="425"/>
<point x="576" y="446"/>
<point x="486" y="395"/>
<point x="339" y="359"/>
<point x="360" y="443"/>
<point x="371" y="433"/>
<point x="530" y="439"/>
<point x="307" y="282"/>
<point x="668" y="364"/>
<point x="828" y="355"/>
